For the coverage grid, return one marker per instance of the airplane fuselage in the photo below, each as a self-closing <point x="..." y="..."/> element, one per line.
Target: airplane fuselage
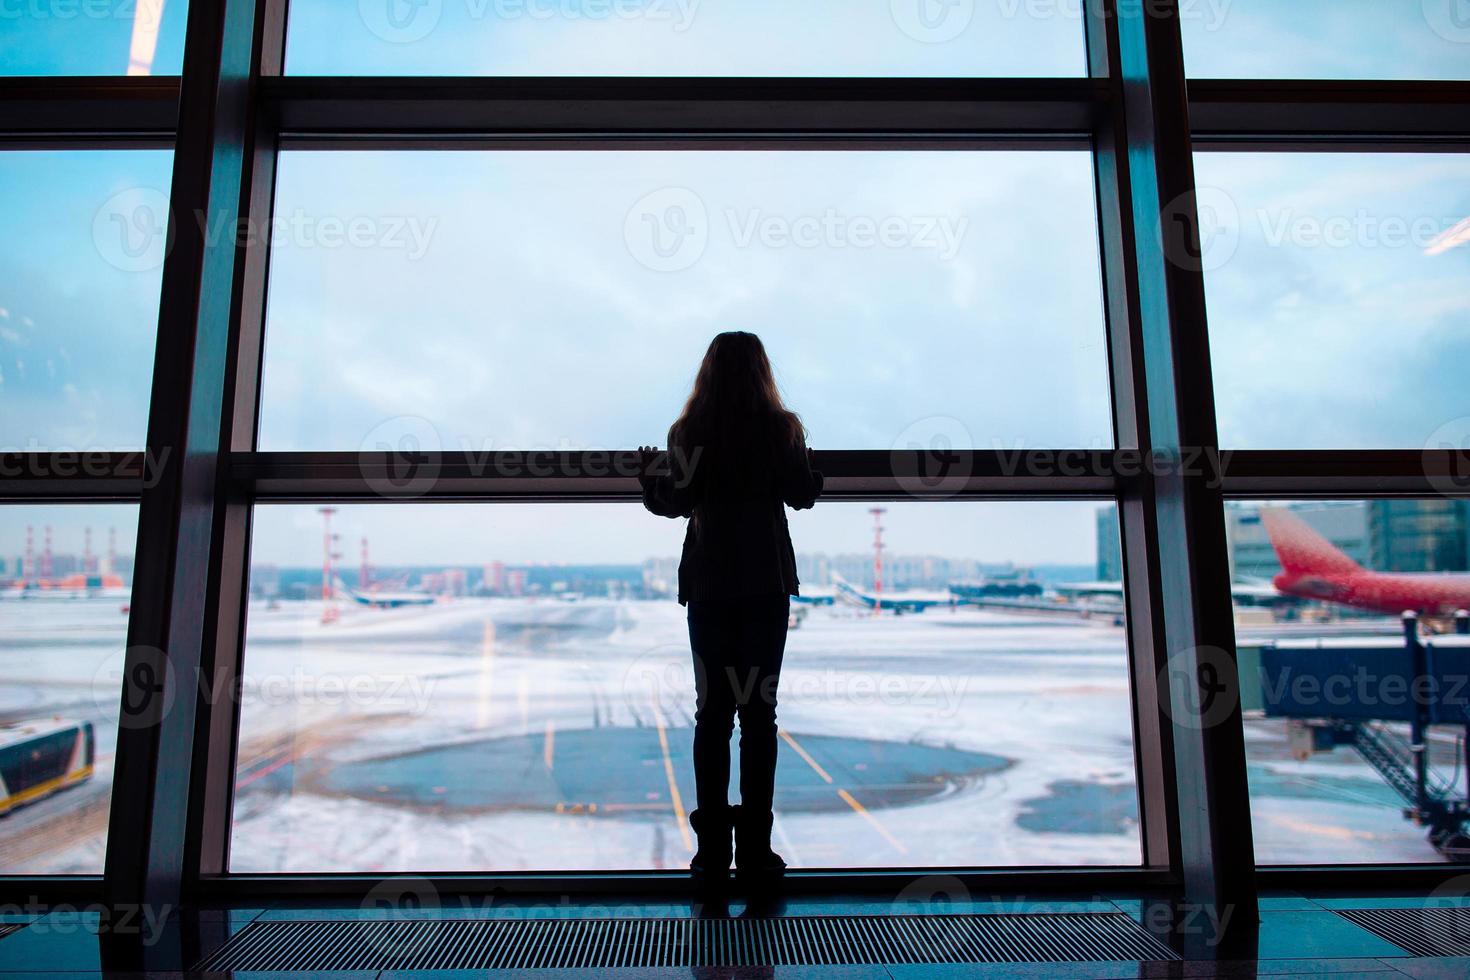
<point x="1385" y="592"/>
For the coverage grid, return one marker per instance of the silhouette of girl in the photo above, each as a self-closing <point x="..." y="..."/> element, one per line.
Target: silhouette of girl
<point x="736" y="457"/>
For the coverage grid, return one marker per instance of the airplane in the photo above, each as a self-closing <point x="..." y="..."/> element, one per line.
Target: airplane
<point x="907" y="600"/>
<point x="385" y="600"/>
<point x="815" y="595"/>
<point x="1313" y="568"/>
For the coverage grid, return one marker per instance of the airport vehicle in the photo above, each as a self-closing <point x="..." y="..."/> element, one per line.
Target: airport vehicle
<point x="38" y="758"/>
<point x="1313" y="568"/>
<point x="385" y="600"/>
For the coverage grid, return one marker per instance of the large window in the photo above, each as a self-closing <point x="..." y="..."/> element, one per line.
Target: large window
<point x="1337" y="296"/>
<point x="1328" y="676"/>
<point x="420" y="234"/>
<point x="81" y="258"/>
<point x="510" y="687"/>
<point x="65" y="580"/>
<point x="440" y="293"/>
<point x="683" y="37"/>
<point x="92" y="37"/>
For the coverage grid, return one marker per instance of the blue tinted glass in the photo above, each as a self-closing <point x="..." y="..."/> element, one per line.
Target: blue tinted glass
<point x="524" y="299"/>
<point x="684" y="37"/>
<point x="92" y="37"/>
<point x="496" y="687"/>
<point x="81" y="259"/>
<point x="1339" y="298"/>
<point x="1321" y="588"/>
<point x="1326" y="38"/>
<point x="66" y="574"/>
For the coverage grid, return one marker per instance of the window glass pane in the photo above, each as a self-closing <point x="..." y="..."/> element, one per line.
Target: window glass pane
<point x="1337" y="294"/>
<point x="66" y="573"/>
<point x="1326" y="39"/>
<point x="486" y="300"/>
<point x="683" y="37"/>
<point x="92" y="37"/>
<point x="1327" y="676"/>
<point x="509" y="687"/>
<point x="80" y="265"/>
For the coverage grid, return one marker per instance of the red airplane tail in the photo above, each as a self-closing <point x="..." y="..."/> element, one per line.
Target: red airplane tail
<point x="1300" y="549"/>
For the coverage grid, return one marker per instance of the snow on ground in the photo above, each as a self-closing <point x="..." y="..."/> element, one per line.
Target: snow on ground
<point x="1035" y="711"/>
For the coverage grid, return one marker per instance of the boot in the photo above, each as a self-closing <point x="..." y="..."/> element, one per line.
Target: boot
<point x="755" y="862"/>
<point x="710" y="866"/>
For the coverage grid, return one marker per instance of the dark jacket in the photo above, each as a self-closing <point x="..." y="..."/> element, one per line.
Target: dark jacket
<point x="733" y="490"/>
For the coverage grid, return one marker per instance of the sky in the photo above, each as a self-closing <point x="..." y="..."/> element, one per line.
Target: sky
<point x="482" y="300"/>
<point x="1223" y="38"/>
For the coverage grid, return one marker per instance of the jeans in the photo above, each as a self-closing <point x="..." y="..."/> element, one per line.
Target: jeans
<point x="738" y="645"/>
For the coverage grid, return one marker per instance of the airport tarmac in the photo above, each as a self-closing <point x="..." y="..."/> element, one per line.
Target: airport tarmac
<point x="521" y="734"/>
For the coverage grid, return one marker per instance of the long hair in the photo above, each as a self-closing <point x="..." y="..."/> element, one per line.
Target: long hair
<point x="734" y="393"/>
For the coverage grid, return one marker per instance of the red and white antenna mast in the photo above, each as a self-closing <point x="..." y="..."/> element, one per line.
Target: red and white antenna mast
<point x="877" y="513"/>
<point x="29" y="571"/>
<point x="364" y="572"/>
<point x="329" y="539"/>
<point x="46" y="553"/>
<point x="111" y="551"/>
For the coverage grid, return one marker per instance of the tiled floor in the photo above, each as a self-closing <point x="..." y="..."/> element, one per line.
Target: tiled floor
<point x="1298" y="936"/>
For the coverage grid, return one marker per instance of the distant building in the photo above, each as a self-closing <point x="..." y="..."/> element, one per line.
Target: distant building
<point x="515" y="581"/>
<point x="495" y="577"/>
<point x="1109" y="545"/>
<point x="1419" y="535"/>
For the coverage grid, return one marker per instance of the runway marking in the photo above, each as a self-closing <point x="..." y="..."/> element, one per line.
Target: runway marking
<point x="803" y="753"/>
<point x="487" y="674"/>
<point x="678" y="801"/>
<point x="847" y="797"/>
<point x="550" y="751"/>
<point x="872" y="820"/>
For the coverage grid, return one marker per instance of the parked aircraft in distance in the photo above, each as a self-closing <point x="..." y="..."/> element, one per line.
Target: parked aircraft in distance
<point x="385" y="600"/>
<point x="1314" y="568"/>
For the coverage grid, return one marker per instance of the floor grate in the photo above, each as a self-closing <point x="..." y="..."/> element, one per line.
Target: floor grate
<point x="501" y="944"/>
<point x="1422" y="931"/>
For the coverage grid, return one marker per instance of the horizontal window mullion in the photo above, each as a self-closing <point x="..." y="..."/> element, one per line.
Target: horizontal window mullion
<point x="73" y="476"/>
<point x="1313" y="473"/>
<point x="1328" y="114"/>
<point x="90" y="111"/>
<point x="448" y="106"/>
<point x="548" y="474"/>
